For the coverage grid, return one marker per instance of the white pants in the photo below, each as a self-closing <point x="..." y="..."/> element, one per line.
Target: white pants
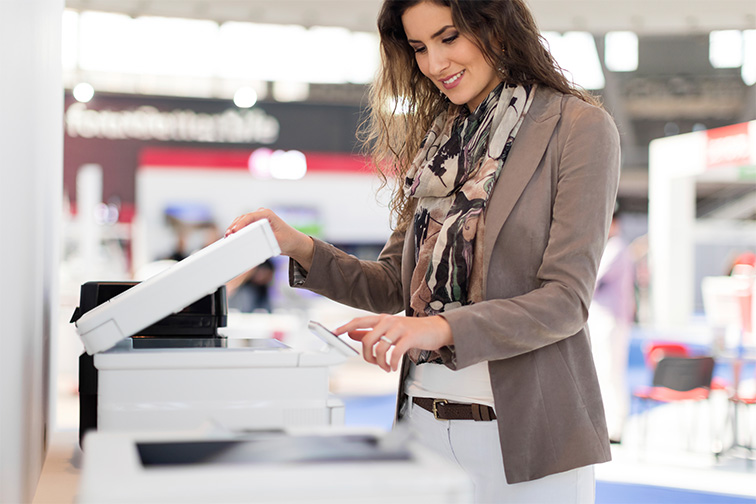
<point x="474" y="446"/>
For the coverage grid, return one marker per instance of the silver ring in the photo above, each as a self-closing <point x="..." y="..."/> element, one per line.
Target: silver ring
<point x="386" y="340"/>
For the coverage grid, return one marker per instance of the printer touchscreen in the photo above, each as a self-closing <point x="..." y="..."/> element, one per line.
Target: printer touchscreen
<point x="331" y="339"/>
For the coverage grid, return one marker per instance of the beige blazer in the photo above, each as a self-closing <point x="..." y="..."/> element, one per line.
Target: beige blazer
<point x="546" y="226"/>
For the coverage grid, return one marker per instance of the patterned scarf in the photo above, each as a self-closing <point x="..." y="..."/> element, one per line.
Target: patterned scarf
<point x="452" y="177"/>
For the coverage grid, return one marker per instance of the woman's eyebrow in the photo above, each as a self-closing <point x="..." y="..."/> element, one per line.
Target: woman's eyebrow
<point x="437" y="34"/>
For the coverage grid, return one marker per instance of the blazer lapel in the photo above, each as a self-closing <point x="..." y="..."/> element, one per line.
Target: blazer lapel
<point x="527" y="151"/>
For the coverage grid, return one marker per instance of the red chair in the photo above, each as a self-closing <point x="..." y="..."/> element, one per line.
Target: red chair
<point x="677" y="379"/>
<point x="656" y="351"/>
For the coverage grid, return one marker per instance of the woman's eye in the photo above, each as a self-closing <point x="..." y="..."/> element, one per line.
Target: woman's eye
<point x="450" y="39"/>
<point x="418" y="50"/>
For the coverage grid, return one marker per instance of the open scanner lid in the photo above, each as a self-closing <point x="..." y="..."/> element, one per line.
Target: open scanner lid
<point x="171" y="290"/>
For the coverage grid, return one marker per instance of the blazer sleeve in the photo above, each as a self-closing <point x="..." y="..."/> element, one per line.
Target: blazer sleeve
<point x="556" y="308"/>
<point x="368" y="285"/>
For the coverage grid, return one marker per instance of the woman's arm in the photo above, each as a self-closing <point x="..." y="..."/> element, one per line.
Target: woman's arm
<point x="326" y="270"/>
<point x="368" y="285"/>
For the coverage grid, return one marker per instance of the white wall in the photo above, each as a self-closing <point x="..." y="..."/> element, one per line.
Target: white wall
<point x="31" y="173"/>
<point x="347" y="204"/>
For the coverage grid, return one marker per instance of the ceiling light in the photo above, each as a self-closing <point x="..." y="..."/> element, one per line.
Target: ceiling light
<point x="576" y="54"/>
<point x="69" y="42"/>
<point x="748" y="72"/>
<point x="621" y="51"/>
<point x="364" y="56"/>
<point x="289" y="91"/>
<point x="726" y="49"/>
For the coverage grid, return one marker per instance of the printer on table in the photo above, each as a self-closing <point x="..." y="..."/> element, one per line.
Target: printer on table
<point x="155" y="360"/>
<point x="194" y="326"/>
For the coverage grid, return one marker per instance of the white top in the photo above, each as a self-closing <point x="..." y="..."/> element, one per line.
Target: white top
<point x="467" y="385"/>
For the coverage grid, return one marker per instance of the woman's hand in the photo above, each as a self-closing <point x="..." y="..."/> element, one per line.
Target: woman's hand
<point x="379" y="333"/>
<point x="293" y="243"/>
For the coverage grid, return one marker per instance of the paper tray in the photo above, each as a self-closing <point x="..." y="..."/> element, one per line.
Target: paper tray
<point x="180" y="285"/>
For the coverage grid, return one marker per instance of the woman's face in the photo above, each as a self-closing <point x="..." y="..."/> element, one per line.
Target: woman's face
<point x="447" y="57"/>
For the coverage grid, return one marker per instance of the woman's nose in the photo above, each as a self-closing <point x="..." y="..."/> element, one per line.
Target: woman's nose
<point x="437" y="62"/>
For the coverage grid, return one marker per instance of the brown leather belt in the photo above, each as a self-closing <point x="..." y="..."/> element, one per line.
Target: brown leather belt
<point x="445" y="410"/>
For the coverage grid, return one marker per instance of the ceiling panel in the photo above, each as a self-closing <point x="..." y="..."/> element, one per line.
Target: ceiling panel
<point x="598" y="16"/>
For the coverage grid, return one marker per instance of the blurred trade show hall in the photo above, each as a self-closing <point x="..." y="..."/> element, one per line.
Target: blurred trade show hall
<point x="133" y="132"/>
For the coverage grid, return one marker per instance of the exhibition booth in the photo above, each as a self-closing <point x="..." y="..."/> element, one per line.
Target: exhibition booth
<point x="128" y="375"/>
<point x="676" y="232"/>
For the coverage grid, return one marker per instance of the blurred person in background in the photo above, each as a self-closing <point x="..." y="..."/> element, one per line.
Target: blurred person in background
<point x="610" y="319"/>
<point x="193" y="227"/>
<point x="250" y="291"/>
<point x="506" y="177"/>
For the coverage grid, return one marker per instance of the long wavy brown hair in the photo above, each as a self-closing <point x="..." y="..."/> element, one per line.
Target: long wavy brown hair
<point x="403" y="102"/>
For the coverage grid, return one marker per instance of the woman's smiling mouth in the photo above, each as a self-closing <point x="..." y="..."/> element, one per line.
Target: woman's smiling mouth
<point x="452" y="81"/>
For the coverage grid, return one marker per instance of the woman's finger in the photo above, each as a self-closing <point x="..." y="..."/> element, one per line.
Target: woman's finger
<point x="397" y="353"/>
<point x="398" y="336"/>
<point x="388" y="331"/>
<point x="382" y="348"/>
<point x="358" y="334"/>
<point x="358" y="323"/>
<point x="359" y="329"/>
<point x="239" y="223"/>
<point x="370" y="340"/>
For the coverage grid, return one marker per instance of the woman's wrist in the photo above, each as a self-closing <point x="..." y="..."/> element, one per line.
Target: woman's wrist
<point x="444" y="330"/>
<point x="304" y="252"/>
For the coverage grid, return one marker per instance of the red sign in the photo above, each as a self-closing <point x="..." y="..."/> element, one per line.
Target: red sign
<point x="187" y="158"/>
<point x="728" y="146"/>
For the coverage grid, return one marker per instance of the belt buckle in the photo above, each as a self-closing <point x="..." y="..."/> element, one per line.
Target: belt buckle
<point x="436" y="402"/>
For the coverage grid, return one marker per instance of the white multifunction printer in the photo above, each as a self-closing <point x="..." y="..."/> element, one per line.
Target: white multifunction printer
<point x="304" y="465"/>
<point x="154" y="360"/>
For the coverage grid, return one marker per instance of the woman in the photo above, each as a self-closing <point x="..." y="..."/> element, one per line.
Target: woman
<point x="508" y="177"/>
